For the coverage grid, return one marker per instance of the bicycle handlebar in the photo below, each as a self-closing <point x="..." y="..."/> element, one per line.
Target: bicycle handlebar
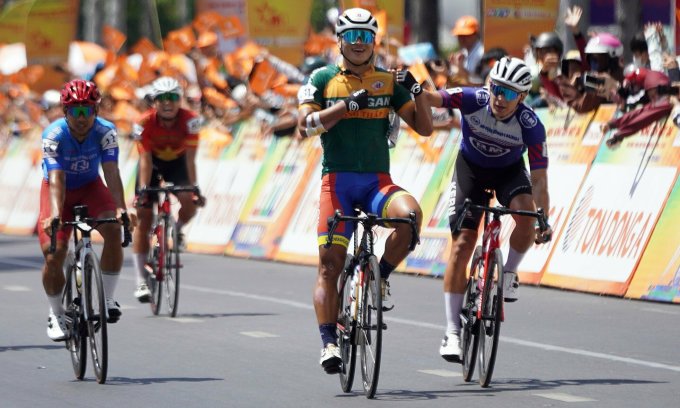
<point x="371" y="220"/>
<point x="170" y="188"/>
<point x="91" y="223"/>
<point x="539" y="214"/>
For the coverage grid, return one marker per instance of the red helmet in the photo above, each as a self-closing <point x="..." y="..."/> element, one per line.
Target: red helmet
<point x="80" y="92"/>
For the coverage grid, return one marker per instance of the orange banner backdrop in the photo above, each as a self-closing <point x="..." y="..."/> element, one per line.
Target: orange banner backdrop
<point x="394" y="10"/>
<point x="279" y="27"/>
<point x="509" y="23"/>
<point x="52" y="27"/>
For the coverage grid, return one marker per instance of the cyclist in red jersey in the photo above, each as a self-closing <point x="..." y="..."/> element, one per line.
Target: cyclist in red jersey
<point x="74" y="147"/>
<point x="167" y="139"/>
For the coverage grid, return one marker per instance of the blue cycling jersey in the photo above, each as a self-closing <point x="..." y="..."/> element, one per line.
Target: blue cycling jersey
<point x="492" y="143"/>
<point x="79" y="161"/>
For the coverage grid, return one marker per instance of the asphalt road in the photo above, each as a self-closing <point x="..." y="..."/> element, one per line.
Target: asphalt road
<point x="246" y="336"/>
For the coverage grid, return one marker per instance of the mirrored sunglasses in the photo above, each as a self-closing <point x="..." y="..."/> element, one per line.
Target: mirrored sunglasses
<point x="78" y="111"/>
<point x="353" y="36"/>
<point x="508" y="94"/>
<point x="167" y="97"/>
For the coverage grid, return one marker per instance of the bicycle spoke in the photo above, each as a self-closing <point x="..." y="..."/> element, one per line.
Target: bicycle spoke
<point x="96" y="308"/>
<point x="371" y="326"/>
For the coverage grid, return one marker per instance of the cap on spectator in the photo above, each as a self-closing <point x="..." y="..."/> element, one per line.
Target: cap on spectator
<point x="51" y="98"/>
<point x="193" y="92"/>
<point x="570" y="56"/>
<point x="655" y="78"/>
<point x="466" y="25"/>
<point x="635" y="76"/>
<point x="206" y="39"/>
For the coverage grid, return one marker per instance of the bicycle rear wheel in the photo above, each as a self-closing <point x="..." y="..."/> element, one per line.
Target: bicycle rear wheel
<point x="492" y="314"/>
<point x="468" y="340"/>
<point x="172" y="266"/>
<point x="96" y="316"/>
<point x="346" y="326"/>
<point x="76" y="343"/>
<point x="156" y="260"/>
<point x="371" y="327"/>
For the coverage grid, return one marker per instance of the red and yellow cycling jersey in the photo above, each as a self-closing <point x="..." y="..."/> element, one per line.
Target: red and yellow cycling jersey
<point x="167" y="143"/>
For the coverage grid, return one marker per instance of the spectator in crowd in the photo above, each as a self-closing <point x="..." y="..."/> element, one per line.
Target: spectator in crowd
<point x="638" y="47"/>
<point x="657" y="89"/>
<point x="467" y="59"/>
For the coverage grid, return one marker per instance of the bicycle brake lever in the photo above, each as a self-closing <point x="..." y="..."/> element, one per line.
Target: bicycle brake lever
<point x="127" y="236"/>
<point x="332" y="225"/>
<point x="54" y="226"/>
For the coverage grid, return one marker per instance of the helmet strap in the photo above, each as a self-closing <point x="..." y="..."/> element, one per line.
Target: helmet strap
<point x="368" y="61"/>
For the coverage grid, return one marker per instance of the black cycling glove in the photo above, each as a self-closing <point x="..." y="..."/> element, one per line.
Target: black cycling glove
<point x="357" y="100"/>
<point x="406" y="79"/>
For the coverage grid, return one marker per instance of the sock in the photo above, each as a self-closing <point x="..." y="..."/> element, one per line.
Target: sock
<point x="55" y="304"/>
<point x="453" y="304"/>
<point x="513" y="261"/>
<point x="386" y="268"/>
<point x="139" y="262"/>
<point x="109" y="279"/>
<point x="179" y="224"/>
<point x="328" y="333"/>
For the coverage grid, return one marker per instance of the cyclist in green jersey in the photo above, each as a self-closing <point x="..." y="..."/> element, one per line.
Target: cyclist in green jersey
<point x="348" y="105"/>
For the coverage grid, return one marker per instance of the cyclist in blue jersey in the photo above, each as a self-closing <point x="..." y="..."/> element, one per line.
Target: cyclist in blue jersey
<point x="497" y="129"/>
<point x="74" y="147"/>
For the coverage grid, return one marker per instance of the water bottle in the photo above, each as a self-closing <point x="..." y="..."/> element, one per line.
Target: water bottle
<point x="352" y="290"/>
<point x="79" y="275"/>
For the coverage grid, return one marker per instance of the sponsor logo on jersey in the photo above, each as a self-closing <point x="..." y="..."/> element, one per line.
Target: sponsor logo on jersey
<point x="528" y="119"/>
<point x="110" y="140"/>
<point x="49" y="148"/>
<point x="378" y="85"/>
<point x="456" y="90"/>
<point x="488" y="149"/>
<point x="194" y="125"/>
<point x="80" y="165"/>
<point x="378" y="101"/>
<point x="482" y="97"/>
<point x="306" y="93"/>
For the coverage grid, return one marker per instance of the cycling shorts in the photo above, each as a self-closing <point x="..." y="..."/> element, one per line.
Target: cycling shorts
<point x="344" y="191"/>
<point x="172" y="171"/>
<point x="471" y="181"/>
<point x="95" y="195"/>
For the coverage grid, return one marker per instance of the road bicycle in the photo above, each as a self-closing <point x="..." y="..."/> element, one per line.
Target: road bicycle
<point x="360" y="309"/>
<point x="83" y="296"/>
<point x="163" y="261"/>
<point x="483" y="309"/>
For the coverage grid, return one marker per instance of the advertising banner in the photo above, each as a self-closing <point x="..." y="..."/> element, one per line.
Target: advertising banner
<point x="279" y="27"/>
<point x="509" y="23"/>
<point x="274" y="197"/>
<point x="16" y="167"/>
<point x="228" y="189"/>
<point x="614" y="214"/>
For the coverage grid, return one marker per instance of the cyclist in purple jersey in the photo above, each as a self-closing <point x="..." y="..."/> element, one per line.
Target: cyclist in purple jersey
<point x="73" y="150"/>
<point x="497" y="129"/>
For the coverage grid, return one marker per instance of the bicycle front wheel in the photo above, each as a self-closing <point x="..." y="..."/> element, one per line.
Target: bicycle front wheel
<point x="346" y="325"/>
<point x="371" y="326"/>
<point x="96" y="315"/>
<point x="156" y="260"/>
<point x="76" y="343"/>
<point x="468" y="318"/>
<point x="172" y="266"/>
<point x="492" y="315"/>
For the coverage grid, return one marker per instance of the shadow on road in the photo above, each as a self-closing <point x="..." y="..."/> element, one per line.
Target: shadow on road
<point x="158" y="380"/>
<point x="500" y="386"/>
<point x="32" y="347"/>
<point x="219" y="315"/>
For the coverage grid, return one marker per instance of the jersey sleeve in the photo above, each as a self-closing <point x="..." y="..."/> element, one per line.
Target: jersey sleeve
<point x="311" y="93"/>
<point x="51" y="148"/>
<point x="141" y="134"/>
<point x="193" y="127"/>
<point x="400" y="98"/>
<point x="109" y="142"/>
<point x="533" y="134"/>
<point x="465" y="99"/>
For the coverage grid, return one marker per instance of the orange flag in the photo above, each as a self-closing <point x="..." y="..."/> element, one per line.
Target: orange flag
<point x="206" y="21"/>
<point x="215" y="78"/>
<point x="180" y="41"/>
<point x="144" y="47"/>
<point x="113" y="39"/>
<point x="381" y="17"/>
<point x="420" y="72"/>
<point x="231" y="26"/>
<point x="146" y="73"/>
<point x="261" y="77"/>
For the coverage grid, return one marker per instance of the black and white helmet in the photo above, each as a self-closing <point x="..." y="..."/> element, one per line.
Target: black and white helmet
<point x="356" y="19"/>
<point x="513" y="73"/>
<point x="165" y="85"/>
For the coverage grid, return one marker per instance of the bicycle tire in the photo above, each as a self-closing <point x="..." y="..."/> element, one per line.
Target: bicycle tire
<point x="96" y="315"/>
<point x="492" y="314"/>
<point x="171" y="267"/>
<point x="346" y="326"/>
<point x="370" y="327"/>
<point x="156" y="259"/>
<point x="76" y="343"/>
<point x="468" y="340"/>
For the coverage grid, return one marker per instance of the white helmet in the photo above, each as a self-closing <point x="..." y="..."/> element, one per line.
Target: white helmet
<point x="512" y="72"/>
<point x="356" y="19"/>
<point x="165" y="85"/>
<point x="605" y="43"/>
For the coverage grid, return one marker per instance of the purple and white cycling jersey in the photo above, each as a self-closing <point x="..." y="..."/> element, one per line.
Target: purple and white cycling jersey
<point x="492" y="143"/>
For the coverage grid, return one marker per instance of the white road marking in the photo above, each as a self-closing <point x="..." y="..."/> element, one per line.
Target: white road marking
<point x="564" y="397"/>
<point x="185" y="320"/>
<point x="17" y="288"/>
<point x="654" y="310"/>
<point x="307" y="306"/>
<point x="441" y="373"/>
<point x="259" y="334"/>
